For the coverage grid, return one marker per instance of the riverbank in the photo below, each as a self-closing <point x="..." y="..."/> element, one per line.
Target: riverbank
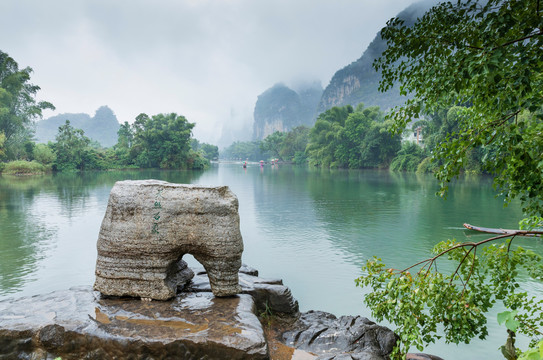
<point x="261" y="323"/>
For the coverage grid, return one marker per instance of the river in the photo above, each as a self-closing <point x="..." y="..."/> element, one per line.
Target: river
<point x="312" y="228"/>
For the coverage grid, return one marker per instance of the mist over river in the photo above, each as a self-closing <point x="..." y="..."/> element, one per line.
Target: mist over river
<point x="312" y="228"/>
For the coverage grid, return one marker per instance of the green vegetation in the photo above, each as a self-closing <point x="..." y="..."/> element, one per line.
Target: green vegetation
<point x="347" y="138"/>
<point x="244" y="150"/>
<point x="71" y="148"/>
<point x="208" y="151"/>
<point x="476" y="68"/>
<point x="18" y="108"/>
<point x="23" y="167"/>
<point x="163" y="140"/>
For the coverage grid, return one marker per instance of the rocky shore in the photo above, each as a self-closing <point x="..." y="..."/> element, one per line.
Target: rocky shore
<point x="262" y="322"/>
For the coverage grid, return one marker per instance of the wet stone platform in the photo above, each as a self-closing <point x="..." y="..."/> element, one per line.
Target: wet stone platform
<point x="80" y="324"/>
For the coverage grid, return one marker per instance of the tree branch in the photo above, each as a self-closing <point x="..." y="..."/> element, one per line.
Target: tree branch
<point x="505" y="234"/>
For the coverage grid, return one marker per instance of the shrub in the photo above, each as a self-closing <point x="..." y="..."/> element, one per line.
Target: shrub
<point x="23" y="167"/>
<point x="408" y="158"/>
<point x="44" y="154"/>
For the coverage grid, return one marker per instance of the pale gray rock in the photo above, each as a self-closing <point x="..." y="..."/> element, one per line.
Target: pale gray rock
<point x="150" y="224"/>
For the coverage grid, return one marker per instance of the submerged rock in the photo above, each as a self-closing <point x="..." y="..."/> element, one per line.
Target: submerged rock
<point x="150" y="224"/>
<point x="80" y="324"/>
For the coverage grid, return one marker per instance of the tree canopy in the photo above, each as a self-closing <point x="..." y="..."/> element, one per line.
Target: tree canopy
<point x="487" y="56"/>
<point x="18" y="106"/>
<point x="476" y="68"/>
<point x="352" y="138"/>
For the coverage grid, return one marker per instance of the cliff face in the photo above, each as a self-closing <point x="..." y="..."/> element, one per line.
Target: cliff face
<point x="282" y="109"/>
<point x="102" y="127"/>
<point x="358" y="82"/>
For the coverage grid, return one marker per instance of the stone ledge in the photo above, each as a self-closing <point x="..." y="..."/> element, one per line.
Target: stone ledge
<point x="80" y="324"/>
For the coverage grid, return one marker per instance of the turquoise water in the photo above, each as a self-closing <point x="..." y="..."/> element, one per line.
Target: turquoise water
<point x="312" y="228"/>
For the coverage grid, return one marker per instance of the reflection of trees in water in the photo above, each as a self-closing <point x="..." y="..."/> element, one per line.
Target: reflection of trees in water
<point x="375" y="212"/>
<point x="397" y="215"/>
<point x="25" y="235"/>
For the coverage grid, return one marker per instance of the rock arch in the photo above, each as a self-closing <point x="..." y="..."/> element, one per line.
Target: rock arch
<point x="150" y="224"/>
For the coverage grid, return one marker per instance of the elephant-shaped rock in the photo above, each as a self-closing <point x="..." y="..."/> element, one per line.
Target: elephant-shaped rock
<point x="150" y="224"/>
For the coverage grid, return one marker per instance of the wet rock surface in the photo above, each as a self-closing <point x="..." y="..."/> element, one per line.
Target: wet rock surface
<point x="346" y="337"/>
<point x="269" y="294"/>
<point x="80" y="324"/>
<point x="150" y="224"/>
<point x="83" y="324"/>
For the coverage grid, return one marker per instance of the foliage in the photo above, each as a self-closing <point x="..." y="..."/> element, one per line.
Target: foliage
<point x="18" y="107"/>
<point x="486" y="54"/>
<point x="420" y="298"/>
<point x="344" y="137"/>
<point x="23" y="167"/>
<point x="44" y="154"/>
<point x="324" y="137"/>
<point x="208" y="151"/>
<point x="408" y="158"/>
<point x="481" y="61"/>
<point x="244" y="150"/>
<point x="2" y="145"/>
<point x="162" y="140"/>
<point x="71" y="148"/>
<point x="427" y="165"/>
<point x="272" y="144"/>
<point x="294" y="144"/>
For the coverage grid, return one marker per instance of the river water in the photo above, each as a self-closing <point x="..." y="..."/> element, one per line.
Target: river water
<point x="312" y="228"/>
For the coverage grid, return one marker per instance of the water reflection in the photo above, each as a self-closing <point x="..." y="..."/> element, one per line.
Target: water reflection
<point x="25" y="236"/>
<point x="49" y="226"/>
<point x="312" y="228"/>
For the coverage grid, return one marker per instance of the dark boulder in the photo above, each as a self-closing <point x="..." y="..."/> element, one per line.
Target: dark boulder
<point x="346" y="337"/>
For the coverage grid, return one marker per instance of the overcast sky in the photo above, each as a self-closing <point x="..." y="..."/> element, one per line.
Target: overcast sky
<point x="205" y="59"/>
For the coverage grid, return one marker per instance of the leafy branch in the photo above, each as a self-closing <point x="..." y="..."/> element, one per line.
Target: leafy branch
<point x="418" y="303"/>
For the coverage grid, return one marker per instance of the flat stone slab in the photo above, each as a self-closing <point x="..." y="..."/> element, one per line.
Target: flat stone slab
<point x="268" y="294"/>
<point x="79" y="323"/>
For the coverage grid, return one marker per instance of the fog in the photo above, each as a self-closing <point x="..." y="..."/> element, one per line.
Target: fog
<point x="205" y="59"/>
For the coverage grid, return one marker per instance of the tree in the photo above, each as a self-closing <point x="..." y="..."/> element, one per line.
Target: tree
<point x="125" y="140"/>
<point x="324" y="138"/>
<point x="486" y="57"/>
<point x="208" y="151"/>
<point x="162" y="140"/>
<point x="294" y="145"/>
<point x="18" y="107"/>
<point x="243" y="150"/>
<point x="2" y="145"/>
<point x="70" y="148"/>
<point x="344" y="137"/>
<point x="272" y="144"/>
<point x="44" y="154"/>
